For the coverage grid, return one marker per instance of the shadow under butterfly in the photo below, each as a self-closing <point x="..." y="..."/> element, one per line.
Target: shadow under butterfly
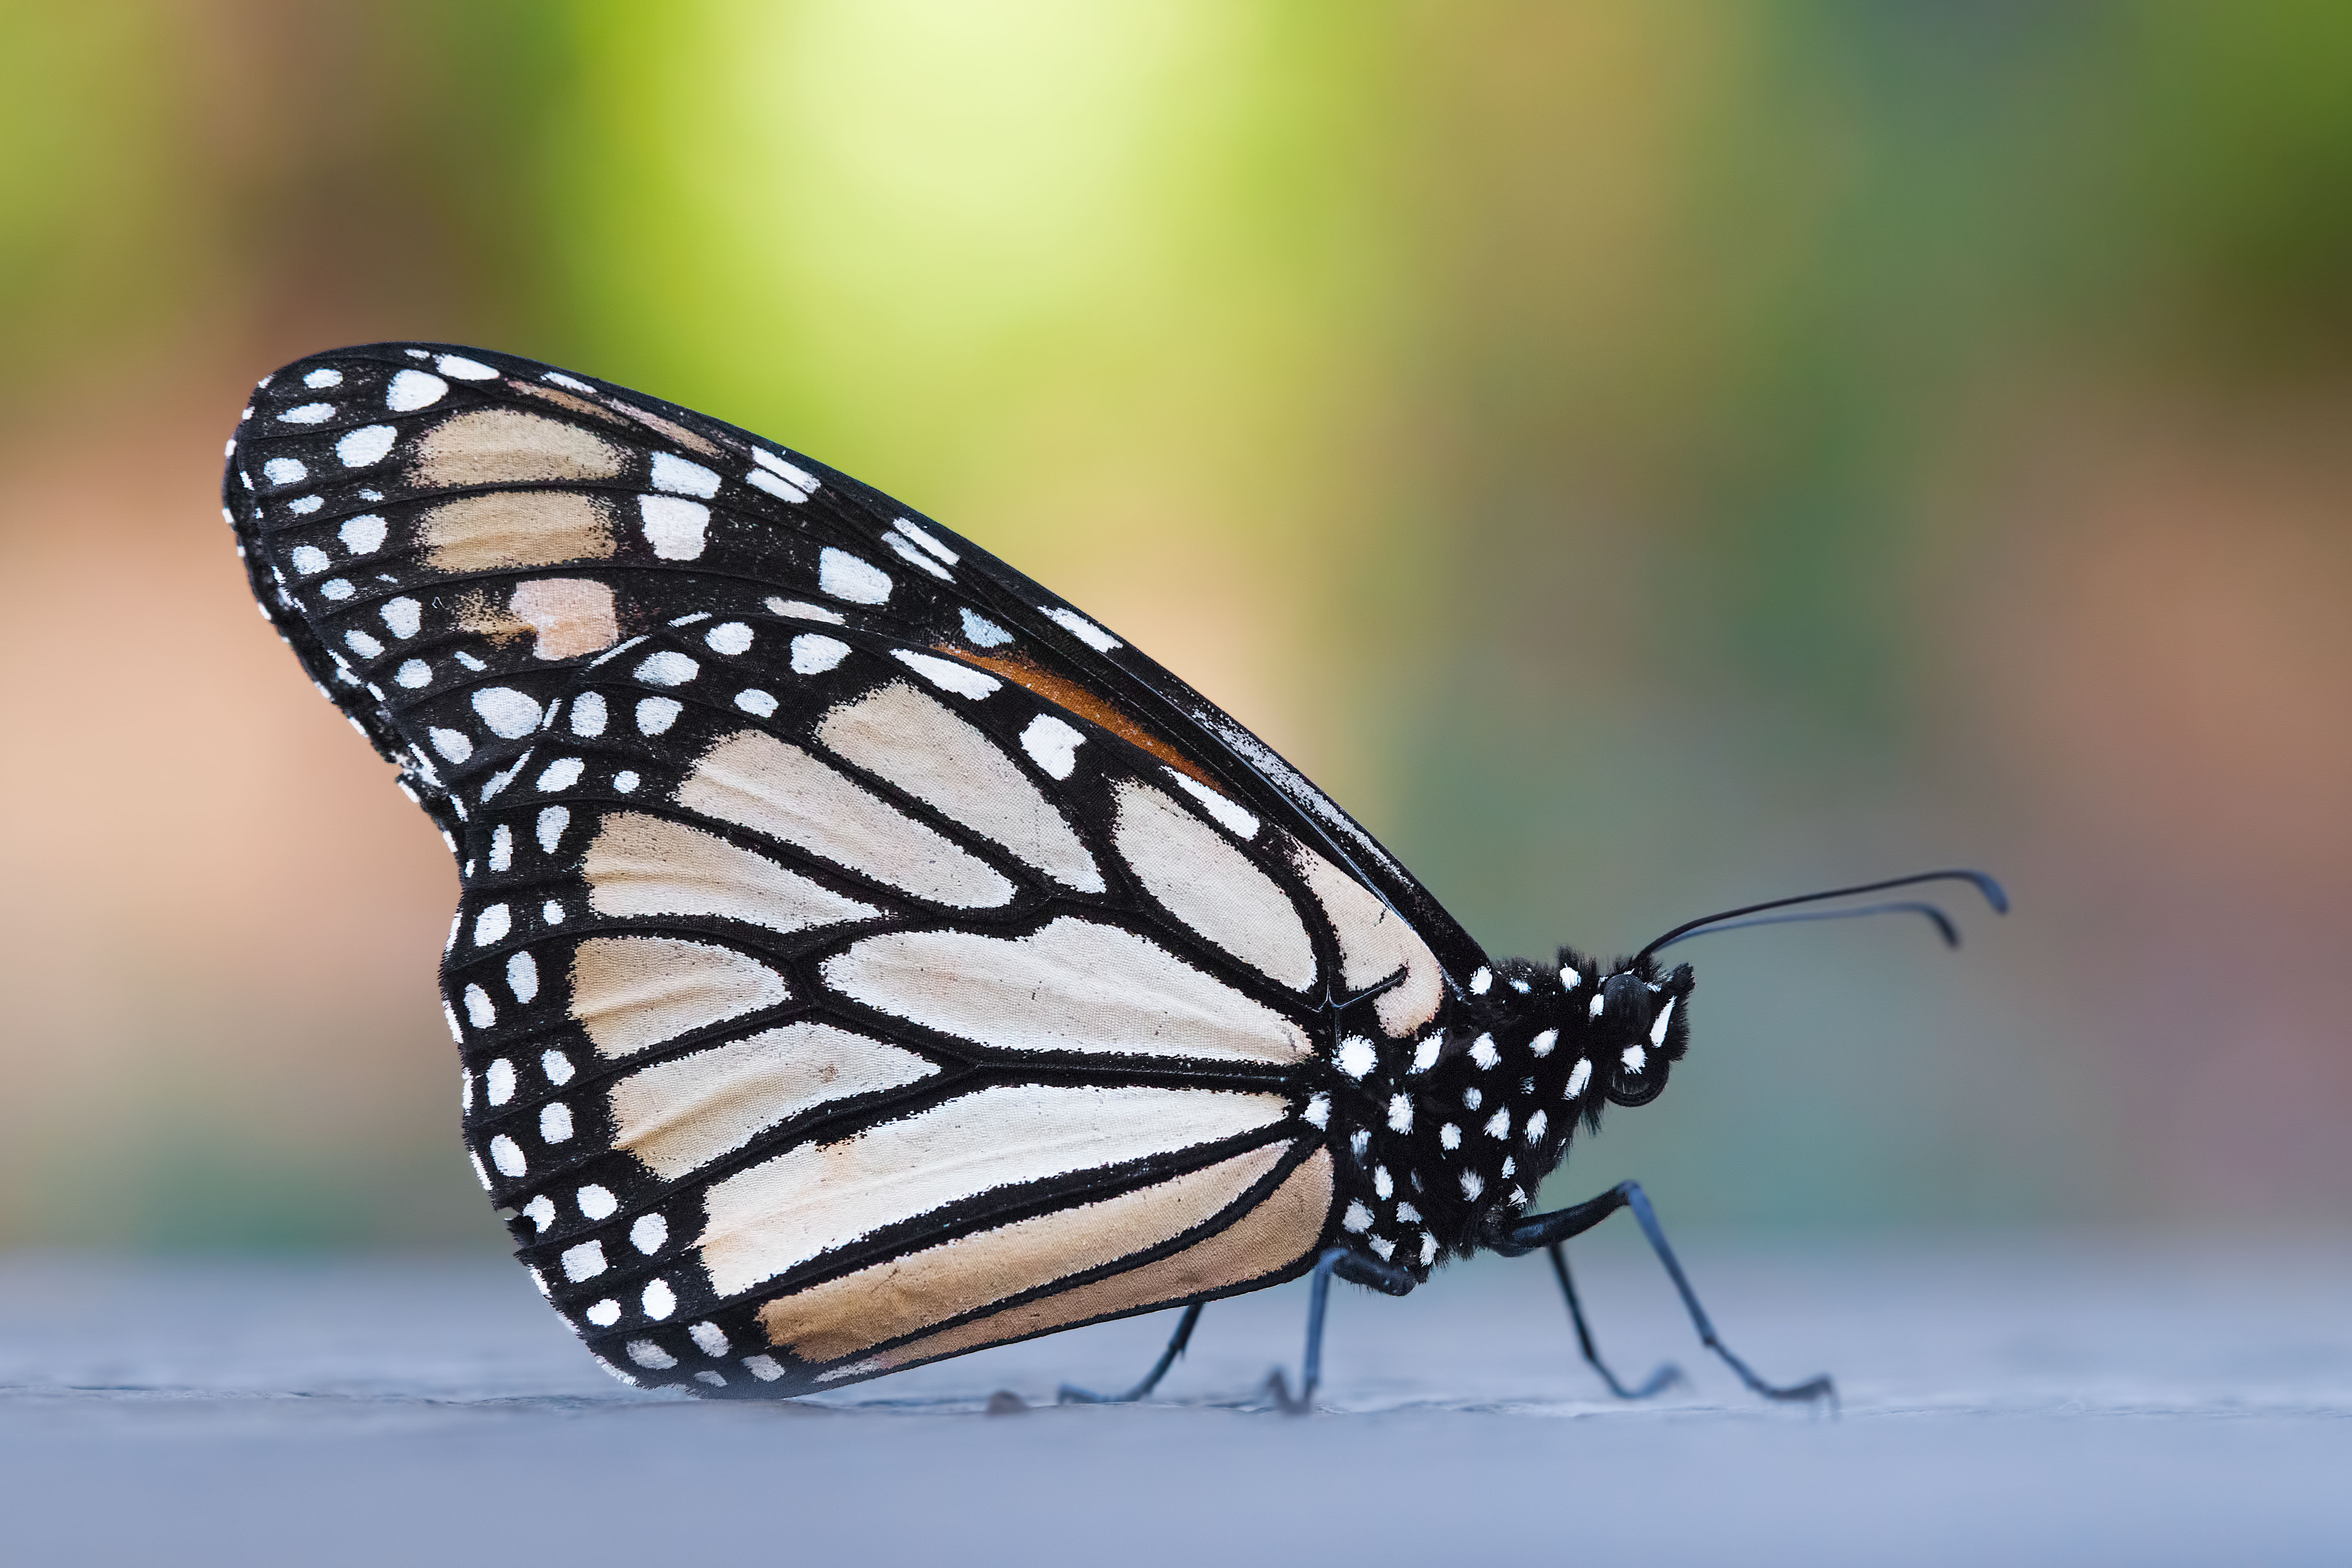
<point x="864" y="957"/>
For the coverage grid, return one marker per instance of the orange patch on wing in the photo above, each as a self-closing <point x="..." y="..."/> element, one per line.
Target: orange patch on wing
<point x="1069" y="694"/>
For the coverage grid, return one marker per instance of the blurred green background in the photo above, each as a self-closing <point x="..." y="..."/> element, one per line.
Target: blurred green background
<point x="1641" y="455"/>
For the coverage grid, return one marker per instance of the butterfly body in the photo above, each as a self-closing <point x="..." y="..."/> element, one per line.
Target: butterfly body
<point x="864" y="957"/>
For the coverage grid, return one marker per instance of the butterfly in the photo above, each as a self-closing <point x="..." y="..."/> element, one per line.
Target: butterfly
<point x="865" y="957"/>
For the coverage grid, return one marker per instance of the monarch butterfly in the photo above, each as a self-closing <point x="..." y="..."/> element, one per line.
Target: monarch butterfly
<point x="864" y="956"/>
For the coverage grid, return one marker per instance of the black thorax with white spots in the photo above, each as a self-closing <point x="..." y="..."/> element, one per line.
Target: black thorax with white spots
<point x="1456" y="1138"/>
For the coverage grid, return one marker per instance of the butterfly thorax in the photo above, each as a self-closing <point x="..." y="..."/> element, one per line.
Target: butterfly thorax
<point x="1529" y="1053"/>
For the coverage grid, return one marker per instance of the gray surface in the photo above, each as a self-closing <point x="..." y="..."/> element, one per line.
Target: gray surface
<point x="2016" y="1402"/>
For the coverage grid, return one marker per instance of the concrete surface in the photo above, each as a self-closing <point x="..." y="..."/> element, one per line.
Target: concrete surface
<point x="2092" y="1400"/>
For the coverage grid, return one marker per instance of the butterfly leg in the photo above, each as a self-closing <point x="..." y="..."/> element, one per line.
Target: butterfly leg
<point x="1356" y="1269"/>
<point x="1072" y="1395"/>
<point x="1668" y="1374"/>
<point x="1548" y="1230"/>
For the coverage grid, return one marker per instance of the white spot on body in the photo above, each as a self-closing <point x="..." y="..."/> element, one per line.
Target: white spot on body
<point x="1450" y="1136"/>
<point x="1400" y="1113"/>
<point x="1541" y="1046"/>
<point x="1634" y="1056"/>
<point x="1578" y="1076"/>
<point x="1424" y="1052"/>
<point x="1499" y="1124"/>
<point x="1658" y="1024"/>
<point x="1358" y="1218"/>
<point x="1383" y="1185"/>
<point x="1484" y="1053"/>
<point x="1592" y="1008"/>
<point x="1536" y="1125"/>
<point x="1473" y="1184"/>
<point x="1481" y="982"/>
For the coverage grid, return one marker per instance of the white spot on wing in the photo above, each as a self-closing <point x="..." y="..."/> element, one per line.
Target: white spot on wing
<point x="414" y="389"/>
<point x="813" y="655"/>
<point x="667" y="668"/>
<point x="308" y="414"/>
<point x="1052" y="745"/>
<point x="588" y="715"/>
<point x="729" y="637"/>
<point x="656" y="714"/>
<point x="464" y="369"/>
<point x="672" y="472"/>
<point x="510" y="714"/>
<point x="845" y="576"/>
<point x="948" y="674"/>
<point x="1238" y="819"/>
<point x="1078" y="627"/>
<point x="674" y="528"/>
<point x="978" y="629"/>
<point x="1356" y="1056"/>
<point x="358" y="449"/>
<point x="364" y="535"/>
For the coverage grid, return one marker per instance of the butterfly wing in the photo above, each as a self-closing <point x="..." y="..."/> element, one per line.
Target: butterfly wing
<point x="862" y="956"/>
